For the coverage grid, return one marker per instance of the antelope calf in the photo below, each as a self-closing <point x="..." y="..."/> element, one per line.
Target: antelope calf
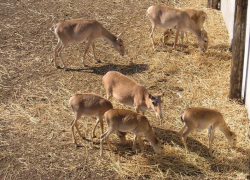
<point x="198" y="16"/>
<point x="129" y="92"/>
<point x="77" y="30"/>
<point x="128" y="121"/>
<point x="199" y="118"/>
<point x="170" y="18"/>
<point x="88" y="104"/>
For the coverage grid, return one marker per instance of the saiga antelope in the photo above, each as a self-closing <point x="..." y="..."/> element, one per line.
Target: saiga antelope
<point x="129" y="92"/>
<point x="170" y="18"/>
<point x="77" y="30"/>
<point x="198" y="16"/>
<point x="88" y="104"/>
<point x="129" y="121"/>
<point x="199" y="118"/>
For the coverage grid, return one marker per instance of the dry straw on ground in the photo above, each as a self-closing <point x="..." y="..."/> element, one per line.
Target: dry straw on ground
<point x="35" y="136"/>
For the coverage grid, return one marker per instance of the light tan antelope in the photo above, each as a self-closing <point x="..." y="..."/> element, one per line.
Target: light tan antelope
<point x="170" y="18"/>
<point x="129" y="121"/>
<point x="90" y="105"/>
<point x="199" y="118"/>
<point x="198" y="16"/>
<point x="77" y="30"/>
<point x="129" y="92"/>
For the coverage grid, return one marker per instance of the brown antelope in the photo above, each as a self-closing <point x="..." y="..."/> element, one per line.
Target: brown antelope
<point x="170" y="18"/>
<point x="129" y="92"/>
<point x="88" y="104"/>
<point x="198" y="16"/>
<point x="129" y="121"/>
<point x="77" y="30"/>
<point x="199" y="118"/>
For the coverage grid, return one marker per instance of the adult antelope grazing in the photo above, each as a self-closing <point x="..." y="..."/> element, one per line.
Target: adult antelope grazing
<point x="129" y="121"/>
<point x="77" y="30"/>
<point x="129" y="92"/>
<point x="198" y="16"/>
<point x="88" y="104"/>
<point x="199" y="118"/>
<point x="170" y="18"/>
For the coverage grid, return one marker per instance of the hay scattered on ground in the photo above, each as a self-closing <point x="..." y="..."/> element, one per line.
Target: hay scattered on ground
<point x="35" y="119"/>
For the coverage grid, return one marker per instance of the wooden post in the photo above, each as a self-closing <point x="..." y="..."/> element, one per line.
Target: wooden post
<point x="214" y="4"/>
<point x="238" y="47"/>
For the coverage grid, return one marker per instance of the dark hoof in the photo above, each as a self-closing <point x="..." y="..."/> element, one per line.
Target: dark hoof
<point x="86" y="139"/>
<point x="99" y="61"/>
<point x="77" y="146"/>
<point x="59" y="67"/>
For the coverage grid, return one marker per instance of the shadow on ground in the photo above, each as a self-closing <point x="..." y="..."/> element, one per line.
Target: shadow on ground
<point x="132" y="68"/>
<point x="172" y="138"/>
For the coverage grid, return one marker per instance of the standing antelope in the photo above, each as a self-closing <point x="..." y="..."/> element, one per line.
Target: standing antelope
<point x="170" y="18"/>
<point x="129" y="92"/>
<point x="198" y="16"/>
<point x="199" y="118"/>
<point x="88" y="104"/>
<point x="128" y="121"/>
<point x="77" y="30"/>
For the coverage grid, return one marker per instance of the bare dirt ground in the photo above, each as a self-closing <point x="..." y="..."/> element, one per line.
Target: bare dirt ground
<point x="35" y="134"/>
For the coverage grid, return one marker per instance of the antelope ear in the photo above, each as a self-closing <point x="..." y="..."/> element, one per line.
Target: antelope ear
<point x="231" y="134"/>
<point x="202" y="33"/>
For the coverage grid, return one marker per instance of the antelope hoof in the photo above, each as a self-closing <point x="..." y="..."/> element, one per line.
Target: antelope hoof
<point x="77" y="145"/>
<point x="84" y="138"/>
<point x="210" y="154"/>
<point x="98" y="61"/>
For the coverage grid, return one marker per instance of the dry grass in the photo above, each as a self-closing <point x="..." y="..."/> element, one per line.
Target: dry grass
<point x="35" y="136"/>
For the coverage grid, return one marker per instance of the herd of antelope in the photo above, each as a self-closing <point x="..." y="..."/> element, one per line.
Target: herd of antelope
<point x="128" y="91"/>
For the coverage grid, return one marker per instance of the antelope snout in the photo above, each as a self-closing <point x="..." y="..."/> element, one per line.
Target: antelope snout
<point x="121" y="53"/>
<point x="233" y="145"/>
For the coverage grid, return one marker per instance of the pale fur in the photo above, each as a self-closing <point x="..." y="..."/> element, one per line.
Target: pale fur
<point x="129" y="92"/>
<point x="90" y="105"/>
<point x="120" y="120"/>
<point x="199" y="118"/>
<point x="171" y="18"/>
<point x="77" y="30"/>
<point x="198" y="16"/>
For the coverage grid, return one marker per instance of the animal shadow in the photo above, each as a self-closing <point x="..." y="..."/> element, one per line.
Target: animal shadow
<point x="132" y="68"/>
<point x="79" y="69"/>
<point x="172" y="138"/>
<point x="237" y="163"/>
<point x="176" y="164"/>
<point x="87" y="69"/>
